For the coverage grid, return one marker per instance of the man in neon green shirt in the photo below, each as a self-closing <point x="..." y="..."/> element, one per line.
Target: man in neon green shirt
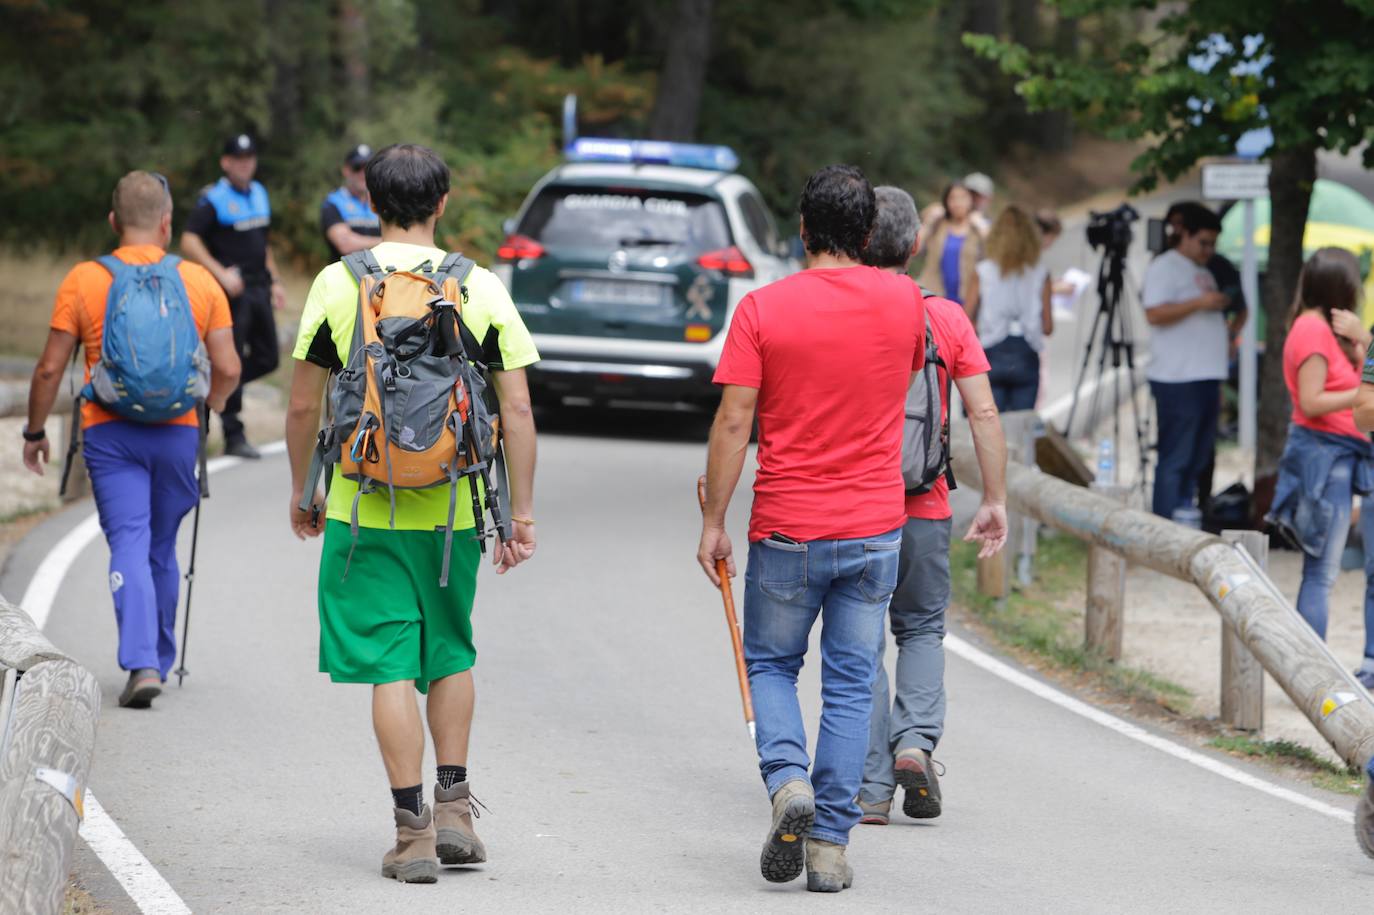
<point x="391" y="624"/>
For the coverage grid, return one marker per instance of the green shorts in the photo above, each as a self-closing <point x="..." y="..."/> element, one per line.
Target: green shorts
<point x="388" y="619"/>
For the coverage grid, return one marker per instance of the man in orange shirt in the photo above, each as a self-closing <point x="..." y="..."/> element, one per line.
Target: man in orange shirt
<point x="143" y="474"/>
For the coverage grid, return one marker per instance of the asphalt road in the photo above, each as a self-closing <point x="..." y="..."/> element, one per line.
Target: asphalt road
<point x="609" y="744"/>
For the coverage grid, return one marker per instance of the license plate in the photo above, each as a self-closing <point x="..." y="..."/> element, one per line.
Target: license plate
<point x="616" y="292"/>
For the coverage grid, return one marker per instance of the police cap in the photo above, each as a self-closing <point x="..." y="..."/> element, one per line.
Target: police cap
<point x="240" y="144"/>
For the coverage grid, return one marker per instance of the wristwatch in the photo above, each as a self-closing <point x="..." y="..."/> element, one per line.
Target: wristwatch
<point x="33" y="436"/>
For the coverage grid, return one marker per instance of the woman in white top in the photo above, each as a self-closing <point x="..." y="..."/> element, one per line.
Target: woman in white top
<point x="1009" y="303"/>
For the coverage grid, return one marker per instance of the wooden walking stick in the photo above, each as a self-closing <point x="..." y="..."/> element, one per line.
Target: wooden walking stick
<point x="727" y="595"/>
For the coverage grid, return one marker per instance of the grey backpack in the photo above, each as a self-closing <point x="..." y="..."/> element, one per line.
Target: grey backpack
<point x="925" y="435"/>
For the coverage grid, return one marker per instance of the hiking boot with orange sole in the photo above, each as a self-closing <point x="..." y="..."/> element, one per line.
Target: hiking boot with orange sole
<point x="457" y="841"/>
<point x="413" y="860"/>
<point x="915" y="772"/>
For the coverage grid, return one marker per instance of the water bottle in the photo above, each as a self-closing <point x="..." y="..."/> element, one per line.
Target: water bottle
<point x="1106" y="463"/>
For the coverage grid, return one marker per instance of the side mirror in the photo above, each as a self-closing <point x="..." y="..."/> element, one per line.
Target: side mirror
<point x="508" y="226"/>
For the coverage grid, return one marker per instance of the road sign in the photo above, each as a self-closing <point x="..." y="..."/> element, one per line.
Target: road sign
<point x="1235" y="180"/>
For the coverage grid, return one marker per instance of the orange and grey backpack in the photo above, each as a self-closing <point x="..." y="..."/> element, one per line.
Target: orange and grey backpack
<point x="413" y="407"/>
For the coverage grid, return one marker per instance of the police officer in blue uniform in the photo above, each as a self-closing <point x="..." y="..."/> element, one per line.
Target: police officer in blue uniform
<point x="227" y="234"/>
<point x="346" y="216"/>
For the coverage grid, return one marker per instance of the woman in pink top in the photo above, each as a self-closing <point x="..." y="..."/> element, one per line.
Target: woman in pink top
<point x="1326" y="458"/>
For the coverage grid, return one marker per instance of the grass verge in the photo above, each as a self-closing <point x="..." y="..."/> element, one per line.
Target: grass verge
<point x="1323" y="773"/>
<point x="1032" y="620"/>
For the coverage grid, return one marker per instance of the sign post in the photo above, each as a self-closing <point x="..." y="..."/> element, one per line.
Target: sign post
<point x="1244" y="181"/>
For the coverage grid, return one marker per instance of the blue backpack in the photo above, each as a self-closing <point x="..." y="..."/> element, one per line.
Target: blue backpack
<point x="153" y="366"/>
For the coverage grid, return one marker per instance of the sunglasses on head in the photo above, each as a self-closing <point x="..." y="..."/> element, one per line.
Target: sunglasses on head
<point x="162" y="181"/>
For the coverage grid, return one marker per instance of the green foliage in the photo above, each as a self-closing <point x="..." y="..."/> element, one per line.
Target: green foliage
<point x="1316" y="90"/>
<point x="91" y="90"/>
<point x="1324" y="773"/>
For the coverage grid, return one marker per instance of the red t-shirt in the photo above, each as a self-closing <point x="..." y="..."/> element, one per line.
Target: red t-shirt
<point x="1310" y="336"/>
<point x="831" y="353"/>
<point x="961" y="351"/>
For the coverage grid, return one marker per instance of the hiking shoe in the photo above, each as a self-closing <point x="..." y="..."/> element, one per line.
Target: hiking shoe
<point x="794" y="813"/>
<point x="827" y="871"/>
<point x="1364" y="819"/>
<point x="413" y="859"/>
<point x="915" y="772"/>
<point x="145" y="685"/>
<point x="239" y="447"/>
<point x="453" y="815"/>
<point x="874" y="814"/>
<point x="1366" y="678"/>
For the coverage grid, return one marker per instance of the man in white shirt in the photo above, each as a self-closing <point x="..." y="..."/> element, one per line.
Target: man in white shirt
<point x="1189" y="357"/>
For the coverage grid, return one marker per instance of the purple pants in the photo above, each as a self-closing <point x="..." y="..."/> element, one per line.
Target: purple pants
<point x="144" y="477"/>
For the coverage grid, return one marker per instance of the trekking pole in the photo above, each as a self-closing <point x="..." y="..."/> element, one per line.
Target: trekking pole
<point x="727" y="595"/>
<point x="202" y="490"/>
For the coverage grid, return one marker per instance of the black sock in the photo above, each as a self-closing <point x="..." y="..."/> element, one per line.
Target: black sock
<point x="412" y="799"/>
<point x="452" y="775"/>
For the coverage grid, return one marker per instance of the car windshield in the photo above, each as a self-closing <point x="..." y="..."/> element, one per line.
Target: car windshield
<point x="613" y="218"/>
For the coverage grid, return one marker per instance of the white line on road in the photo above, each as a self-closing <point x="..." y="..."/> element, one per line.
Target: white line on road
<point x="987" y="662"/>
<point x="149" y="890"/>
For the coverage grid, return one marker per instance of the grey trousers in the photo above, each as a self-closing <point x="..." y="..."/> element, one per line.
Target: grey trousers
<point x="916" y="717"/>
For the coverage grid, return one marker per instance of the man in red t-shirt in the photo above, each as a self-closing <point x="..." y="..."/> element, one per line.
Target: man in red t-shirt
<point x="825" y="356"/>
<point x="904" y="733"/>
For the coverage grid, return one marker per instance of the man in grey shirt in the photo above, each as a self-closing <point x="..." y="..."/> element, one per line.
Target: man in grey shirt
<point x="1189" y="357"/>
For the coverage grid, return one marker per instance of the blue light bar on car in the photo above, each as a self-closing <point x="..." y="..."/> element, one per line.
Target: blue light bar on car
<point x="653" y="152"/>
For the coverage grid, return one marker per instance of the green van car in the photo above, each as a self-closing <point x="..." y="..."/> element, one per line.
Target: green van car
<point x="627" y="264"/>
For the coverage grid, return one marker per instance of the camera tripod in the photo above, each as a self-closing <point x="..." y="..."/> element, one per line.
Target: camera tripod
<point x="1111" y="336"/>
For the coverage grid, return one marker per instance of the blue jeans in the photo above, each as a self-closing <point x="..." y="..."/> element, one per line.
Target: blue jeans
<point x="144" y="479"/>
<point x="916" y="717"/>
<point x="1015" y="374"/>
<point x="1187" y="414"/>
<point x="848" y="583"/>
<point x="1319" y="572"/>
<point x="1367" y="533"/>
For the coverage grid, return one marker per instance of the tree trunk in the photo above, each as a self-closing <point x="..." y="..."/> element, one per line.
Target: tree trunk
<point x="1291" y="176"/>
<point x="1056" y="127"/>
<point x="352" y="26"/>
<point x="678" y="105"/>
<point x="983" y="17"/>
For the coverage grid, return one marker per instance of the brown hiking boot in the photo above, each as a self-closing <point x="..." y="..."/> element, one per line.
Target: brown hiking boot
<point x="794" y="813"/>
<point x="827" y="871"/>
<point x="1364" y="819"/>
<point x="915" y="772"/>
<point x="875" y="814"/>
<point x="413" y="859"/>
<point x="453" y="814"/>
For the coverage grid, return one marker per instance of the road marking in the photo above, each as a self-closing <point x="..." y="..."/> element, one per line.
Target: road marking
<point x="987" y="662"/>
<point x="145" y="886"/>
<point x="149" y="890"/>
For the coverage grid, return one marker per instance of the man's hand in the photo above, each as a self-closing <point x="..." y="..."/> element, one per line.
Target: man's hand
<point x="518" y="549"/>
<point x="715" y="545"/>
<point x="989" y="527"/>
<point x="278" y="295"/>
<point x="36" y="455"/>
<point x="232" y="281"/>
<point x="1213" y="301"/>
<point x="306" y="523"/>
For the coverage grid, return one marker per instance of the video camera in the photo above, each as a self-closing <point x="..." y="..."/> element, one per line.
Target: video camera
<point x="1111" y="231"/>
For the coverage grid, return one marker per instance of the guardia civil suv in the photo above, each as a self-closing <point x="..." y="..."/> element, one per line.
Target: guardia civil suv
<point x="626" y="264"/>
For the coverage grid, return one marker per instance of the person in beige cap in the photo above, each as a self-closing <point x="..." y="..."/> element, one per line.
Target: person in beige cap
<point x="982" y="189"/>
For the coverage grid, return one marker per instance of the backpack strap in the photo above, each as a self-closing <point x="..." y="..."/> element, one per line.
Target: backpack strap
<point x="363" y="263"/>
<point x="111" y="264"/>
<point x="456" y="265"/>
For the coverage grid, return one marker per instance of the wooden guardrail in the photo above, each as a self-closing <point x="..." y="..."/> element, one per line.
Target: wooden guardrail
<point x="49" y="706"/>
<point x="1230" y="577"/>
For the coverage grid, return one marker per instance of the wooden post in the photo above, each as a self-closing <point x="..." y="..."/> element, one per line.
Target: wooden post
<point x="1104" y="617"/>
<point x="1242" y="677"/>
<point x="50" y="738"/>
<point x="1331" y="698"/>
